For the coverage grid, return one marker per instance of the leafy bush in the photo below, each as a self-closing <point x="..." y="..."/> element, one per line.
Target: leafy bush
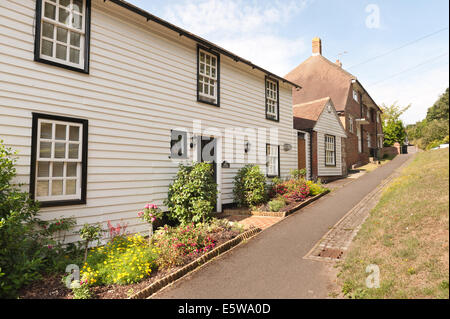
<point x="23" y="245"/>
<point x="298" y="173"/>
<point x="249" y="186"/>
<point x="89" y="233"/>
<point x="177" y="243"/>
<point x="193" y="195"/>
<point x="315" y="189"/>
<point x="276" y="204"/>
<point x="80" y="289"/>
<point x="124" y="260"/>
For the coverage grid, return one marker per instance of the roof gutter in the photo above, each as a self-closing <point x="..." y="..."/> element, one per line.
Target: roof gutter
<point x="197" y="39"/>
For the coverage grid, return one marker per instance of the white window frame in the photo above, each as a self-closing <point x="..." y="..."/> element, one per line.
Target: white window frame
<point x="355" y="95"/>
<point x="66" y="26"/>
<point x="369" y="140"/>
<point x="208" y="77"/>
<point x="272" y="99"/>
<point x="350" y="123"/>
<point x="330" y="150"/>
<point x="273" y="159"/>
<point x="368" y="113"/>
<point x="378" y="117"/>
<point x="52" y="160"/>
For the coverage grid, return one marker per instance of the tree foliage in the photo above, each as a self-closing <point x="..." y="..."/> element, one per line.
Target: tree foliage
<point x="433" y="130"/>
<point x="393" y="128"/>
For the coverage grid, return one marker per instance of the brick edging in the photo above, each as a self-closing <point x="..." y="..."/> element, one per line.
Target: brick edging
<point x="163" y="282"/>
<point x="306" y="203"/>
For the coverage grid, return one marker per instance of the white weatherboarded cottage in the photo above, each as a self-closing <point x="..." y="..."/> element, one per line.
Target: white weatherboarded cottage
<point x="103" y="100"/>
<point x="320" y="139"/>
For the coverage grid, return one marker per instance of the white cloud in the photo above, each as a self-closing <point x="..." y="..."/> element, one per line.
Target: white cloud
<point x="420" y="90"/>
<point x="246" y="28"/>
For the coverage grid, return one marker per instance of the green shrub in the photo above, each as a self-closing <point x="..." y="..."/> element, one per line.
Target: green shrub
<point x="315" y="189"/>
<point x="298" y="173"/>
<point x="249" y="186"/>
<point x="27" y="244"/>
<point x="124" y="260"/>
<point x="276" y="204"/>
<point x="193" y="195"/>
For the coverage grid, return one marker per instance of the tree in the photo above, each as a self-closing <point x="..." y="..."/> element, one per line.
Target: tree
<point x="433" y="130"/>
<point x="393" y="128"/>
<point x="439" y="111"/>
<point x="393" y="132"/>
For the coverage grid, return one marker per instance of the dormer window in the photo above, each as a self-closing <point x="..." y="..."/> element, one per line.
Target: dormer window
<point x="62" y="33"/>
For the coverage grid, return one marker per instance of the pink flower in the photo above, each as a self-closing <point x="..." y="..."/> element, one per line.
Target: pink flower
<point x="153" y="219"/>
<point x="140" y="214"/>
<point x="49" y="246"/>
<point x="147" y="206"/>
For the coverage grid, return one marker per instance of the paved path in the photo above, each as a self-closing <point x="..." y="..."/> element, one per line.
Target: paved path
<point x="271" y="265"/>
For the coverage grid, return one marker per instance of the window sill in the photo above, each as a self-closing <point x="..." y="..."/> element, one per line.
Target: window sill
<point x="272" y="119"/>
<point x="216" y="104"/>
<point x="62" y="65"/>
<point x="68" y="202"/>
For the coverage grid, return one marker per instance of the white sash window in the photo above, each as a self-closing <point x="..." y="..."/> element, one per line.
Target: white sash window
<point x="330" y="150"/>
<point x="272" y="99"/>
<point x="62" y="37"/>
<point x="208" y="77"/>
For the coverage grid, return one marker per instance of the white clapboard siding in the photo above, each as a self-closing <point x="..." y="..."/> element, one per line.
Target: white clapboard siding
<point x="142" y="84"/>
<point x="329" y="123"/>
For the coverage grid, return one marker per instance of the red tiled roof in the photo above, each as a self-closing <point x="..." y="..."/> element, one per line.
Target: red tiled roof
<point x="307" y="114"/>
<point x="320" y="77"/>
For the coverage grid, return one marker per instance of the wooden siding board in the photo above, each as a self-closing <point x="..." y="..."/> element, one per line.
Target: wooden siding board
<point x="139" y="87"/>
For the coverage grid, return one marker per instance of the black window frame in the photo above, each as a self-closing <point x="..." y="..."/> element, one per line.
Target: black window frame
<point x="325" y="150"/>
<point x="278" y="98"/>
<point x="87" y="40"/>
<point x="217" y="55"/>
<point x="267" y="162"/>
<point x="184" y="148"/>
<point x="84" y="156"/>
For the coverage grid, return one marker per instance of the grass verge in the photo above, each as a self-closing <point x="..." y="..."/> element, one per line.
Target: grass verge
<point x="372" y="166"/>
<point x="406" y="236"/>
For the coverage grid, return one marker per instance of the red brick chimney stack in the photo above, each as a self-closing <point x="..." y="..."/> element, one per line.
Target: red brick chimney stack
<point x="316" y="46"/>
<point x="339" y="63"/>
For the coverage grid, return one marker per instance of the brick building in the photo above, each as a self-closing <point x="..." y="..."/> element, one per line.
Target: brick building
<point x="358" y="112"/>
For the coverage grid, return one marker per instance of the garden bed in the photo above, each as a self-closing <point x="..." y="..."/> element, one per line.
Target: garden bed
<point x="264" y="210"/>
<point x="52" y="286"/>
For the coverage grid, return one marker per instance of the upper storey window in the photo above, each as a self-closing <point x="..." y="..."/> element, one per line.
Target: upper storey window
<point x="62" y="33"/>
<point x="272" y="99"/>
<point x="208" y="77"/>
<point x="355" y="96"/>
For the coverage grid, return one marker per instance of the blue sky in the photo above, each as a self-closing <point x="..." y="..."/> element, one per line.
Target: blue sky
<point x="277" y="35"/>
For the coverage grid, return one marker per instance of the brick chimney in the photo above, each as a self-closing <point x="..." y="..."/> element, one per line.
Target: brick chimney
<point x="316" y="46"/>
<point x="339" y="63"/>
